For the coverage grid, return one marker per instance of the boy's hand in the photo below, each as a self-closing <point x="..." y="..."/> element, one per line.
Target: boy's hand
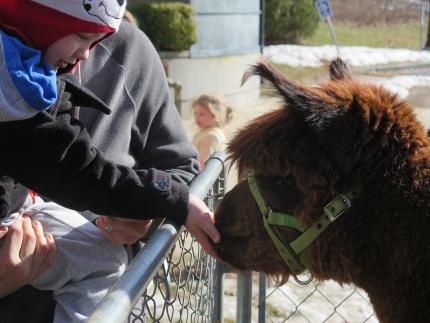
<point x="199" y="223"/>
<point x="122" y="231"/>
<point x="26" y="253"/>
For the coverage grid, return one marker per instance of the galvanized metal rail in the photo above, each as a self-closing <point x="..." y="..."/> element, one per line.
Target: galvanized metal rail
<point x="118" y="304"/>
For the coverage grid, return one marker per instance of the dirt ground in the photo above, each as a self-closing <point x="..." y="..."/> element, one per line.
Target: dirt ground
<point x="375" y="12"/>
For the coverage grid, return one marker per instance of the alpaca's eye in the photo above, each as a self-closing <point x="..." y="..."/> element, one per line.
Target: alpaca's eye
<point x="287" y="184"/>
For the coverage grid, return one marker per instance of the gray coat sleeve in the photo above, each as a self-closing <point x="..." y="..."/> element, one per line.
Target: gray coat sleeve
<point x="144" y="120"/>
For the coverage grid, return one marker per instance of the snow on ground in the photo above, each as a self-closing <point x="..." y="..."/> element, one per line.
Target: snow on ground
<point x="402" y="84"/>
<point x="302" y="56"/>
<point x="313" y="56"/>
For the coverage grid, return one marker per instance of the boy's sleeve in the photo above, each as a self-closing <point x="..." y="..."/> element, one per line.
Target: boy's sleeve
<point x="52" y="154"/>
<point x="12" y="196"/>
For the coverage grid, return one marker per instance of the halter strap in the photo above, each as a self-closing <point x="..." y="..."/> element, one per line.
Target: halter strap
<point x="296" y="253"/>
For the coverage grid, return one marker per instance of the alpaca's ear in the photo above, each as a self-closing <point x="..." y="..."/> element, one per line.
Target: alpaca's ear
<point x="339" y="70"/>
<point x="294" y="94"/>
<point x="314" y="109"/>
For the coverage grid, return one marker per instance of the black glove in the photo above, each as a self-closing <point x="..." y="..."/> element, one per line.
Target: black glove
<point x="12" y="196"/>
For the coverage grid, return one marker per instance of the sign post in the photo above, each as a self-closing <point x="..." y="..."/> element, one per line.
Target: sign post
<point x="424" y="10"/>
<point x="325" y="12"/>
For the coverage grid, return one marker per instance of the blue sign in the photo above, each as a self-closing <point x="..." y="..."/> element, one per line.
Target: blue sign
<point x="324" y="8"/>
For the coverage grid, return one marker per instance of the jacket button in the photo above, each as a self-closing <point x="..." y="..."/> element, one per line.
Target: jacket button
<point x="161" y="186"/>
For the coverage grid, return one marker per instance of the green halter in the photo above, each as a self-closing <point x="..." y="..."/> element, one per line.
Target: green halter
<point x="296" y="253"/>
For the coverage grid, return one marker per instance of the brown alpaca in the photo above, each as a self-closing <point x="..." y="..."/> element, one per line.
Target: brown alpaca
<point x="325" y="141"/>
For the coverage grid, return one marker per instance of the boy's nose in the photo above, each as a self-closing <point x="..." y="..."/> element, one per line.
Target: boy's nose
<point x="84" y="54"/>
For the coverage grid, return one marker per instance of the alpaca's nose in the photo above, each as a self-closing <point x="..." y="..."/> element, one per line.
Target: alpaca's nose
<point x="224" y="215"/>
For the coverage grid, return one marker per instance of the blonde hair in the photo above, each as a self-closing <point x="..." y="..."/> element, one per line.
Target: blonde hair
<point x="218" y="106"/>
<point x="129" y="17"/>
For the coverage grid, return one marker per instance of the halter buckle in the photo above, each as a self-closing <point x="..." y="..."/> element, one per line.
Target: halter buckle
<point x="336" y="207"/>
<point x="266" y="213"/>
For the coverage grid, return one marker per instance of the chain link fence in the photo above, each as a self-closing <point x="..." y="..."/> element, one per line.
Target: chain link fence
<point x="173" y="280"/>
<point x="318" y="301"/>
<point x="183" y="288"/>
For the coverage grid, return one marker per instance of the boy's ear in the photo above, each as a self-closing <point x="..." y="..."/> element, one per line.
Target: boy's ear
<point x="312" y="108"/>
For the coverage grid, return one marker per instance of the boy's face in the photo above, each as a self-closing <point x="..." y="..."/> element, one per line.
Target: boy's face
<point x="70" y="49"/>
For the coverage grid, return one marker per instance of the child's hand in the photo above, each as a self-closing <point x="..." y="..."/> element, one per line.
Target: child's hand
<point x="121" y="230"/>
<point x="26" y="253"/>
<point x="199" y="223"/>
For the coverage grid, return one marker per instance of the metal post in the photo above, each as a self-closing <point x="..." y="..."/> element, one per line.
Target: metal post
<point x="325" y="12"/>
<point x="333" y="34"/>
<point x="262" y="298"/>
<point x="262" y="22"/>
<point x="244" y="298"/>
<point x="421" y="23"/>
<point x="218" y="293"/>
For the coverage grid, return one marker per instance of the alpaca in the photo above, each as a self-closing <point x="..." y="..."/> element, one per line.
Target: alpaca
<point x="342" y="137"/>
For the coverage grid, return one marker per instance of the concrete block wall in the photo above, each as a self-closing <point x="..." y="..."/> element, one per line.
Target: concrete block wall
<point x="222" y="75"/>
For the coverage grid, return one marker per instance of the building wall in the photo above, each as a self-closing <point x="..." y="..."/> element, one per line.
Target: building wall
<point x="226" y="27"/>
<point x="220" y="74"/>
<point x="228" y="40"/>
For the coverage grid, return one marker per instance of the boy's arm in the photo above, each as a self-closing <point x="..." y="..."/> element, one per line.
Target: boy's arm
<point x="54" y="156"/>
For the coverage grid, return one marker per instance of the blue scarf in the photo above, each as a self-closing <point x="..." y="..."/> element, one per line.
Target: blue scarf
<point x="27" y="84"/>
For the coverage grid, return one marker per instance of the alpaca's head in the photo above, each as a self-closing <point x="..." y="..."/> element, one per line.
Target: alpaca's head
<point x="245" y="243"/>
<point x="323" y="141"/>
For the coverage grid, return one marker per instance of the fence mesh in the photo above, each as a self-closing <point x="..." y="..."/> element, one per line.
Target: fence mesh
<point x="319" y="301"/>
<point x="182" y="289"/>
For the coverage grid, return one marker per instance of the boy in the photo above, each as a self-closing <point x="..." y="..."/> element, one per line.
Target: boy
<point x="59" y="161"/>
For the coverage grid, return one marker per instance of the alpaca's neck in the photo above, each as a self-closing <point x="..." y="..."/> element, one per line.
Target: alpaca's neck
<point x="411" y="179"/>
<point x="382" y="245"/>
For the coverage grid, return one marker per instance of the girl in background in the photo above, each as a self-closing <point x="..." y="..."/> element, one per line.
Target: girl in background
<point x="211" y="113"/>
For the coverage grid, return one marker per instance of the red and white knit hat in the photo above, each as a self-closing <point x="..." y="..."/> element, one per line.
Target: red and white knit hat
<point x="40" y="23"/>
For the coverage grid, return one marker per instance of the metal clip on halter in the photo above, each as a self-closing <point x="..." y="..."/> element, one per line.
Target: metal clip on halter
<point x="336" y="207"/>
<point x="304" y="282"/>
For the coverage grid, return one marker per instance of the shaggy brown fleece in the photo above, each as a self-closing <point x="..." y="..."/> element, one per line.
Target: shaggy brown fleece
<point x="322" y="142"/>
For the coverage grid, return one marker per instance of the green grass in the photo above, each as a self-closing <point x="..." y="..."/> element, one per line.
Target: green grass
<point x="273" y="311"/>
<point x="300" y="73"/>
<point x="406" y="35"/>
<point x="229" y="320"/>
